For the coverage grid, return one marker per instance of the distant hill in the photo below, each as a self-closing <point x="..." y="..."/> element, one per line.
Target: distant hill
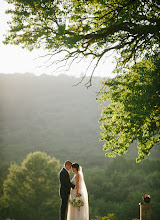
<point x="48" y="113"/>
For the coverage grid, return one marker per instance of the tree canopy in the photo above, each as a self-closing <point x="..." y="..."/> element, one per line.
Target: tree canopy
<point x="120" y="184"/>
<point x="133" y="114"/>
<point x="31" y="189"/>
<point x="86" y="28"/>
<point x="83" y="28"/>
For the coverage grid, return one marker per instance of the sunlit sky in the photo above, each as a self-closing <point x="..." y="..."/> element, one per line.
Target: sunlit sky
<point x="14" y="59"/>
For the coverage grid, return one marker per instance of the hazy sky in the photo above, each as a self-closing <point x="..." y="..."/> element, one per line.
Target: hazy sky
<point x="13" y="59"/>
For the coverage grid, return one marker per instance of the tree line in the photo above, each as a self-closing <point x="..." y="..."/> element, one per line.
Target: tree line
<point x="31" y="188"/>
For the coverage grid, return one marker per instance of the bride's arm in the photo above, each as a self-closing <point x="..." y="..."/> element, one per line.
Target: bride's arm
<point x="77" y="185"/>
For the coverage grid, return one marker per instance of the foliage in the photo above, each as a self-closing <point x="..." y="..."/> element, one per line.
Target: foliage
<point x="10" y="219"/>
<point x="31" y="189"/>
<point x="3" y="173"/>
<point x="134" y="111"/>
<point x="119" y="188"/>
<point x="88" y="28"/>
<point x="108" y="217"/>
<point x="92" y="28"/>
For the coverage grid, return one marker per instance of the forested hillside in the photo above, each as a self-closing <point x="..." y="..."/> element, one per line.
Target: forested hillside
<point x="49" y="114"/>
<point x="31" y="189"/>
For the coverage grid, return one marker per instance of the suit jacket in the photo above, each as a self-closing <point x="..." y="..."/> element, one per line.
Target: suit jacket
<point x="65" y="183"/>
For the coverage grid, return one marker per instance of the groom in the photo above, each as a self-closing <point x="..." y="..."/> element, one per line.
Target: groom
<point x="65" y="186"/>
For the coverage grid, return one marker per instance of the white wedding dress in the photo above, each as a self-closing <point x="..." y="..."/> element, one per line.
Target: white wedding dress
<point x="73" y="212"/>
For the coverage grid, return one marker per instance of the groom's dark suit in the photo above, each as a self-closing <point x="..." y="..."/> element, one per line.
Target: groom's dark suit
<point x="65" y="186"/>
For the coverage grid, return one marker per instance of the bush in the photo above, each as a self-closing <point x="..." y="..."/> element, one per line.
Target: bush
<point x="108" y="217"/>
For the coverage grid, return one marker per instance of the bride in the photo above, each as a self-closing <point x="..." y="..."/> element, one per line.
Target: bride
<point x="80" y="191"/>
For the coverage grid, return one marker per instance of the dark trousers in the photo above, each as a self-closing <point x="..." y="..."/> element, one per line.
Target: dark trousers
<point x="63" y="208"/>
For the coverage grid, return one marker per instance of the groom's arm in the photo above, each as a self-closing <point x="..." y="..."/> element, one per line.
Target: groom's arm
<point x="65" y="178"/>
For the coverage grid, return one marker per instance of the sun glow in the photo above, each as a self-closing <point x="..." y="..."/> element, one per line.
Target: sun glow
<point x="14" y="59"/>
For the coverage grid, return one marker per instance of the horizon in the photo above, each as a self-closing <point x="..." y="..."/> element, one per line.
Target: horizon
<point x="15" y="59"/>
<point x="45" y="74"/>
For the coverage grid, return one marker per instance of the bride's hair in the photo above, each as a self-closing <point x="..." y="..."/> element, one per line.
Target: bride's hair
<point x="75" y="165"/>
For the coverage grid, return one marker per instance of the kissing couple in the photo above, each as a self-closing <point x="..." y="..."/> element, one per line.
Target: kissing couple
<point x="73" y="193"/>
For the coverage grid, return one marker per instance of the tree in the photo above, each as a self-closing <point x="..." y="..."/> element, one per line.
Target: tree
<point x="31" y="189"/>
<point x="3" y="174"/>
<point x="122" y="184"/>
<point x="86" y="28"/>
<point x="134" y="111"/>
<point x="93" y="28"/>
